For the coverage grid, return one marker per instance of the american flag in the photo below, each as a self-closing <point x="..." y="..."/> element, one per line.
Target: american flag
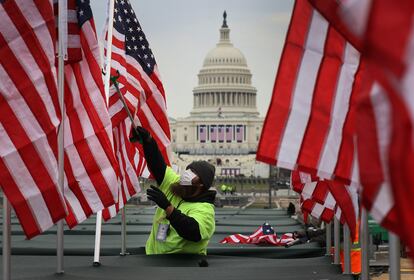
<point x="229" y="133"/>
<point x="203" y="133"/>
<point x="141" y="86"/>
<point x="265" y="234"/>
<point x="321" y="198"/>
<point x="139" y="81"/>
<point x="221" y="133"/>
<point x="30" y="115"/>
<point x="317" y="210"/>
<point x="310" y="123"/>
<point x="91" y="167"/>
<point x="315" y="196"/>
<point x="213" y="133"/>
<point x="239" y="133"/>
<point x="383" y="31"/>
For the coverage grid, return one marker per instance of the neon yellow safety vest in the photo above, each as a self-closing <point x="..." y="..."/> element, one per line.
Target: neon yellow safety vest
<point x="202" y="212"/>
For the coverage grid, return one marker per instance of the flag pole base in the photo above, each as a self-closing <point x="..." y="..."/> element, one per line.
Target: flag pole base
<point x="124" y="254"/>
<point x="96" y="264"/>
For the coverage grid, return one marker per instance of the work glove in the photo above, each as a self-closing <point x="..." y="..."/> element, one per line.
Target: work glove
<point x="156" y="195"/>
<point x="140" y="135"/>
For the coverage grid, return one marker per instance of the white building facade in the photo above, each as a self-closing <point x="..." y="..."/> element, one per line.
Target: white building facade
<point x="224" y="125"/>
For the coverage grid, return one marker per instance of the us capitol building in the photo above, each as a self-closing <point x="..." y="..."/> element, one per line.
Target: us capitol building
<point x="224" y="125"/>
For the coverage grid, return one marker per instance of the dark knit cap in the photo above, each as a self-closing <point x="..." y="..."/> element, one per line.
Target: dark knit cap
<point x="204" y="170"/>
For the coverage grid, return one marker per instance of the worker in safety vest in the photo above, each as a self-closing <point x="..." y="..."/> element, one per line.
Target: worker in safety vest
<point x="223" y="189"/>
<point x="230" y="189"/>
<point x="184" y="221"/>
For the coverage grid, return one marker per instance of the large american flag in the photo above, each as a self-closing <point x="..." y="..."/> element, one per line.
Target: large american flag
<point x="142" y="89"/>
<point x="30" y="118"/>
<point x="139" y="81"/>
<point x="310" y="123"/>
<point x="383" y="31"/>
<point x="29" y="114"/>
<point x="91" y="167"/>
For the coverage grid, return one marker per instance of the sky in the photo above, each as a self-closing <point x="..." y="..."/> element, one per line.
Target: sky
<point x="182" y="32"/>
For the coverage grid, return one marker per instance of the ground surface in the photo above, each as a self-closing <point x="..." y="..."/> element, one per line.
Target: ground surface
<point x="35" y="259"/>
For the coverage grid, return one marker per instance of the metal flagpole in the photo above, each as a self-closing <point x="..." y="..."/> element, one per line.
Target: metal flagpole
<point x="62" y="55"/>
<point x="328" y="228"/>
<point x="347" y="250"/>
<point x="6" y="239"/>
<point x="364" y="245"/>
<point x="394" y="256"/>
<point x="98" y="231"/>
<point x="123" y="233"/>
<point x="98" y="228"/>
<point x="336" y="241"/>
<point x="111" y="5"/>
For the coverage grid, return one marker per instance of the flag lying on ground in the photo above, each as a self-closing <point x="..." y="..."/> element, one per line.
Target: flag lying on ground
<point x="310" y="123"/>
<point x="29" y="114"/>
<point x="265" y="234"/>
<point x="91" y="167"/>
<point x="386" y="115"/>
<point x="142" y="89"/>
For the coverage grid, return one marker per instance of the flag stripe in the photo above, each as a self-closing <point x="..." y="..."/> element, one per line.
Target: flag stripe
<point x="323" y="96"/>
<point x="303" y="92"/>
<point x="340" y="109"/>
<point x="23" y="206"/>
<point x="29" y="115"/>
<point x="12" y="127"/>
<point x="289" y="65"/>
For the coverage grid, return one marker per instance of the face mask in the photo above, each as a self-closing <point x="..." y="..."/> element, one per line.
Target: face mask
<point x="187" y="177"/>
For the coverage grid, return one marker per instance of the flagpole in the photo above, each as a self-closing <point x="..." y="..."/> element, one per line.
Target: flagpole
<point x="111" y="6"/>
<point x="98" y="227"/>
<point x="394" y="256"/>
<point x="347" y="250"/>
<point x="364" y="245"/>
<point x="328" y="228"/>
<point x="6" y="239"/>
<point x="62" y="55"/>
<point x="98" y="231"/>
<point x="336" y="241"/>
<point x="123" y="232"/>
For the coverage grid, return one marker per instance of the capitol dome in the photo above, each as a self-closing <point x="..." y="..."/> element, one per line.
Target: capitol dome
<point x="225" y="54"/>
<point x="224" y="82"/>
